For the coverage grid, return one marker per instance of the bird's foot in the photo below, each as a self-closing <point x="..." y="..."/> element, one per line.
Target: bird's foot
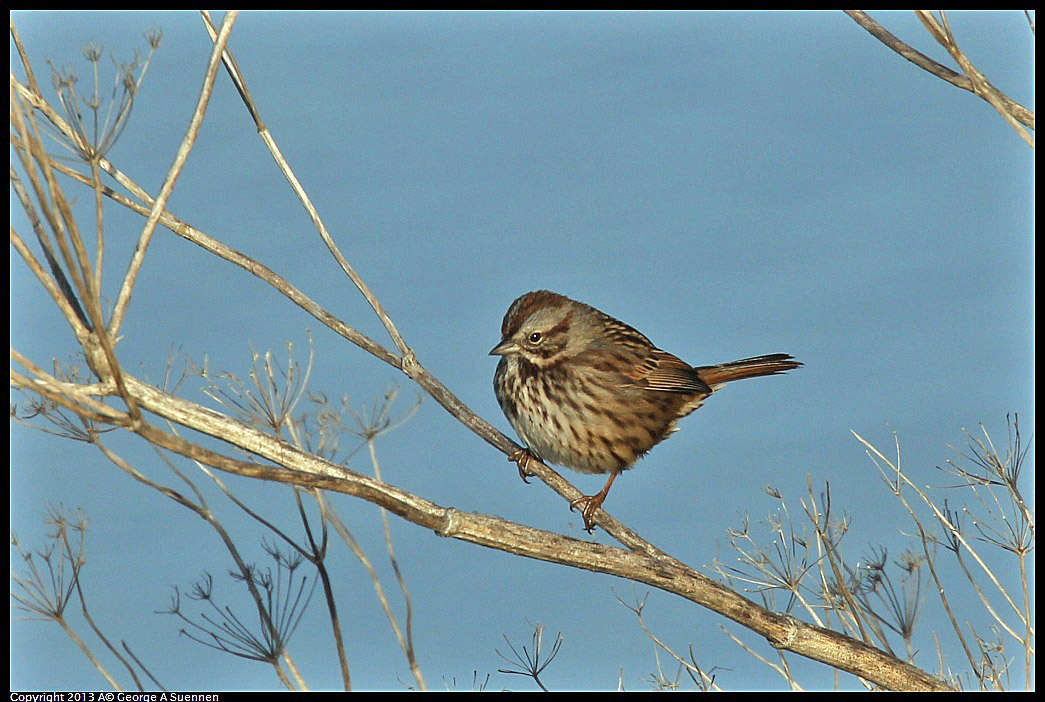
<point x="589" y="503"/>
<point x="522" y="459"/>
<point x="587" y="506"/>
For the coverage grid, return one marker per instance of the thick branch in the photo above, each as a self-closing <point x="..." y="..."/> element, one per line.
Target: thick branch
<point x="661" y="571"/>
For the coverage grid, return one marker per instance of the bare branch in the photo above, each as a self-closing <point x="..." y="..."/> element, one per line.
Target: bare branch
<point x="978" y="85"/>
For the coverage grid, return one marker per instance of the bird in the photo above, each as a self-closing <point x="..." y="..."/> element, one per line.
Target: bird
<point x="588" y="392"/>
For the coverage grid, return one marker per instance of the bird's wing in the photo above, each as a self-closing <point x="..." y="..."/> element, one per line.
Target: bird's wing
<point x="659" y="370"/>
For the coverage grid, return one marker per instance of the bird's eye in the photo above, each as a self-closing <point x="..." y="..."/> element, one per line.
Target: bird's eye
<point x="535" y="338"/>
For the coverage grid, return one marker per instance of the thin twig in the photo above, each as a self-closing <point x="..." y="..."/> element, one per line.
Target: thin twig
<point x="180" y="158"/>
<point x="1018" y="111"/>
<point x="266" y="136"/>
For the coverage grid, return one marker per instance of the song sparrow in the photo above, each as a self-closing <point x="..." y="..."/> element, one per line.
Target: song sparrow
<point x="588" y="392"/>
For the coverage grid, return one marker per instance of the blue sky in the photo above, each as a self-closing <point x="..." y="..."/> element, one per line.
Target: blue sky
<point x="731" y="184"/>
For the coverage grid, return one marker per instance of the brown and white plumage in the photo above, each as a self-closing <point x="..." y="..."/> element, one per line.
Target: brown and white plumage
<point x="588" y="392"/>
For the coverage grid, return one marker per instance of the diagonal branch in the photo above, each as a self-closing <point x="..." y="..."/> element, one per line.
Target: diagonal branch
<point x="172" y="176"/>
<point x="266" y="136"/>
<point x="661" y="571"/>
<point x="941" y="31"/>
<point x="1011" y="107"/>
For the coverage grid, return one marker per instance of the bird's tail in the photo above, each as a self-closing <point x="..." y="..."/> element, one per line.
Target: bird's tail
<point x="771" y="364"/>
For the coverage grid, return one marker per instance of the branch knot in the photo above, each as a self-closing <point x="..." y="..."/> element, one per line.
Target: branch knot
<point x="408" y="362"/>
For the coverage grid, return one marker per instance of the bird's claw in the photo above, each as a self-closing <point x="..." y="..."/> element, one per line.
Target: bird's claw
<point x="587" y="506"/>
<point x="522" y="459"/>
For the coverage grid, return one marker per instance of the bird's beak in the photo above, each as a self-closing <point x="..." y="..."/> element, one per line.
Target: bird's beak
<point x="506" y="347"/>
